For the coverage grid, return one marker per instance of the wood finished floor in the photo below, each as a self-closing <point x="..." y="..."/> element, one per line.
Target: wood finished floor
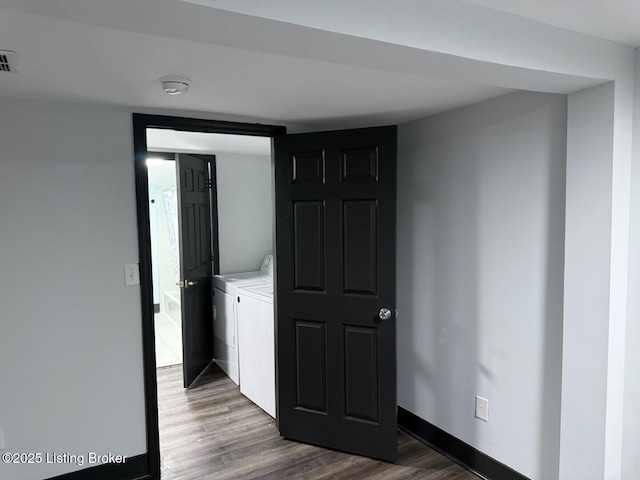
<point x="212" y="431"/>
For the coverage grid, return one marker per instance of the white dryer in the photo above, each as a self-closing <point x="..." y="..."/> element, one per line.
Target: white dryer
<point x="257" y="350"/>
<point x="225" y="315"/>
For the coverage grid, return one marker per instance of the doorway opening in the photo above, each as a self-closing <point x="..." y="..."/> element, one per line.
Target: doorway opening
<point x="144" y="128"/>
<point x="241" y="231"/>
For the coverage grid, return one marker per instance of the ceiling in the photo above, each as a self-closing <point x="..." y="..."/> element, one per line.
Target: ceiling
<point x="617" y="20"/>
<point x="164" y="140"/>
<point x="79" y="62"/>
<point x="115" y="52"/>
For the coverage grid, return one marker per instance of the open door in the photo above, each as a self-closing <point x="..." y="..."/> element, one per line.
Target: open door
<point x="335" y="295"/>
<point x="194" y="214"/>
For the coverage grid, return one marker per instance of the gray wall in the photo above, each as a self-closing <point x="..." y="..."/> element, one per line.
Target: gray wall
<point x="71" y="376"/>
<point x="481" y="198"/>
<point x="70" y="347"/>
<point x="587" y="273"/>
<point x="245" y="211"/>
<point x="631" y="429"/>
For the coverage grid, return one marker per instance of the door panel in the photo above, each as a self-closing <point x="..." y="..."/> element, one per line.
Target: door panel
<point x="361" y="373"/>
<point x="335" y="247"/>
<point x="311" y="366"/>
<point x="308" y="167"/>
<point x="195" y="263"/>
<point x="360" y="229"/>
<point x="309" y="248"/>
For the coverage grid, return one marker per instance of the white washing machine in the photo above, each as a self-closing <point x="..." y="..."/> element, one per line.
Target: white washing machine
<point x="225" y="314"/>
<point x="256" y="342"/>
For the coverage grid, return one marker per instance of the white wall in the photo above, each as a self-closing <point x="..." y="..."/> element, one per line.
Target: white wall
<point x="166" y="268"/>
<point x="586" y="295"/>
<point x="631" y="431"/>
<point x="481" y="195"/>
<point x="154" y="193"/>
<point x="168" y="265"/>
<point x="245" y="211"/>
<point x="70" y="348"/>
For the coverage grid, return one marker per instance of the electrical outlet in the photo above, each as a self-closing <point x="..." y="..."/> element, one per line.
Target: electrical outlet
<point x="482" y="408"/>
<point x="2" y="444"/>
<point x="131" y="274"/>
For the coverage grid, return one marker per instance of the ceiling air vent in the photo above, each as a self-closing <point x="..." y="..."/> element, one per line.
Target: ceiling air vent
<point x="8" y="61"/>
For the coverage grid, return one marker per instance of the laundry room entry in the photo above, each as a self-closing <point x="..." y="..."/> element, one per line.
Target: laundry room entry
<point x="241" y="228"/>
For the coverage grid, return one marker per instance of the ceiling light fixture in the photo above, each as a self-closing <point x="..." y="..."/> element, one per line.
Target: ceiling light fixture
<point x="175" y="85"/>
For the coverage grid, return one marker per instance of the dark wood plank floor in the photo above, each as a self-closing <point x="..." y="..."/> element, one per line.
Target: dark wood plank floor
<point x="212" y="431"/>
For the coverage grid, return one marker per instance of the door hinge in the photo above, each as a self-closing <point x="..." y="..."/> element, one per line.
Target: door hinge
<point x="209" y="184"/>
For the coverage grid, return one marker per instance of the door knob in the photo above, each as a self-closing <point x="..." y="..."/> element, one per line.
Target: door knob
<point x="186" y="283"/>
<point x="385" y="314"/>
<point x="191" y="283"/>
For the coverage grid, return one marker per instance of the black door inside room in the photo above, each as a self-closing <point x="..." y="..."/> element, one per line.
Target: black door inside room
<point x="335" y="254"/>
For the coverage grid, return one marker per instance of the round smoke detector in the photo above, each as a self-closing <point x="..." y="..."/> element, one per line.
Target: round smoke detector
<point x="175" y="85"/>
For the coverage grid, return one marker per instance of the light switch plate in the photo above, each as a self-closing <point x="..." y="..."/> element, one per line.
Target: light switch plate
<point x="131" y="274"/>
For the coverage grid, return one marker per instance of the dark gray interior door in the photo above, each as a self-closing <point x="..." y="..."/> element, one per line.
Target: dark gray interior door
<point x="335" y="259"/>
<point x="194" y="213"/>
